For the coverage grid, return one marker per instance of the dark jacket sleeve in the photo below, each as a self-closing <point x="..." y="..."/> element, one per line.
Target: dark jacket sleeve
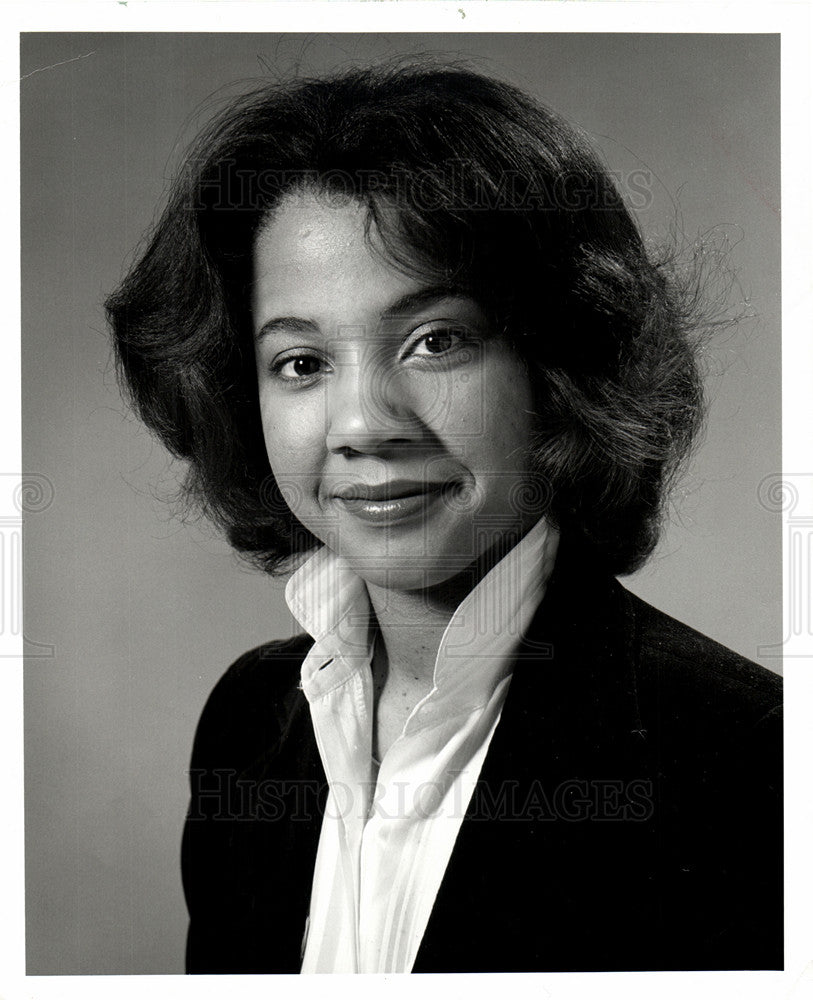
<point x="715" y="730"/>
<point x="241" y="725"/>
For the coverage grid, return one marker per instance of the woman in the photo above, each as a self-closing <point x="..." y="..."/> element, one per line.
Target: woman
<point x="407" y="336"/>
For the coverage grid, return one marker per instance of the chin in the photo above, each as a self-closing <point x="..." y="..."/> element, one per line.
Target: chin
<point x="410" y="567"/>
<point x="400" y="577"/>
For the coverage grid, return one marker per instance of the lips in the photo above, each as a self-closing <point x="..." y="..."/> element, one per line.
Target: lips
<point x="390" y="503"/>
<point x="396" y="489"/>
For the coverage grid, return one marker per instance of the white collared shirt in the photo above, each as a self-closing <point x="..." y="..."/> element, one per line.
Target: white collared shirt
<point x="386" y="841"/>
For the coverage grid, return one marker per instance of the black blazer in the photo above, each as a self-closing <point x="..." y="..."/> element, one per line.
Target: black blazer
<point x="627" y="816"/>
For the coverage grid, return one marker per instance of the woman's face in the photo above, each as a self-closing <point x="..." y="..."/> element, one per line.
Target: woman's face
<point x="397" y="423"/>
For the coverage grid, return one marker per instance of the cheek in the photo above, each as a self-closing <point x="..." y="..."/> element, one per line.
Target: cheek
<point x="504" y="414"/>
<point x="510" y="408"/>
<point x="483" y="414"/>
<point x="294" y="443"/>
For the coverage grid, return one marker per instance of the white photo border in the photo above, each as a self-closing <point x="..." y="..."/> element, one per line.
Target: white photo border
<point x="790" y="20"/>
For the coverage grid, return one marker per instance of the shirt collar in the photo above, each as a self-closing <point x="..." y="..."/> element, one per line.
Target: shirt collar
<point x="488" y="625"/>
<point x="505" y="599"/>
<point x="329" y="599"/>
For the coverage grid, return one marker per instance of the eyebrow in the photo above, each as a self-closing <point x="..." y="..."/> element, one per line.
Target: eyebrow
<point x="291" y="324"/>
<point x="405" y="304"/>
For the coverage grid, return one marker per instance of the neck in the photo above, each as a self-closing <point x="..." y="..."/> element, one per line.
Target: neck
<point x="411" y="623"/>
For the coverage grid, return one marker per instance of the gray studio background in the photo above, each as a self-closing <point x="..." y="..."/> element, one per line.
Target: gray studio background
<point x="141" y="614"/>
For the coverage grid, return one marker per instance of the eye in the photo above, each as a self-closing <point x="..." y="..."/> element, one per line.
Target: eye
<point x="436" y="342"/>
<point x="297" y="367"/>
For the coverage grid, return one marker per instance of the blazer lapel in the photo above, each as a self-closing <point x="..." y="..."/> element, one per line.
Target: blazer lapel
<point x="550" y="837"/>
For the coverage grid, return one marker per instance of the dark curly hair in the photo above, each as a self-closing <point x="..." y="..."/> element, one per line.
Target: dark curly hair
<point x="494" y="195"/>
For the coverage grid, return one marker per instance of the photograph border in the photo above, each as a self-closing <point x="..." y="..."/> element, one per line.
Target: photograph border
<point x="792" y="22"/>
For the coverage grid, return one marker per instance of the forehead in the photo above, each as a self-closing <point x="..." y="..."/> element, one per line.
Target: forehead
<point x="314" y="252"/>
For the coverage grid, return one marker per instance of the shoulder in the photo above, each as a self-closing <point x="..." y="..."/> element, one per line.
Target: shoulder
<point x="686" y="663"/>
<point x="672" y="668"/>
<point x="268" y="669"/>
<point x="251" y="704"/>
<point x="704" y="701"/>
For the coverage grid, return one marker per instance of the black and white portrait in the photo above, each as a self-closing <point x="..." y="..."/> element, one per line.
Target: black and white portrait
<point x="407" y="592"/>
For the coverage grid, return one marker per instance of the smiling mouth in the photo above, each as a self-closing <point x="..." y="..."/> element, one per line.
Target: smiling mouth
<point x="386" y="503"/>
<point x="397" y="489"/>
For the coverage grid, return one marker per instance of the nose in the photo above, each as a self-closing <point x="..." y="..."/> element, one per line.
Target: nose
<point x="368" y="408"/>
